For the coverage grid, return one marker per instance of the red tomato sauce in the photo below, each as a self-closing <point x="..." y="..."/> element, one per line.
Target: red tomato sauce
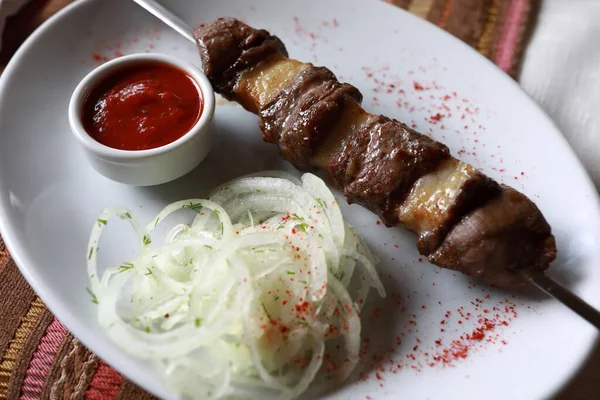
<point x="142" y="107"/>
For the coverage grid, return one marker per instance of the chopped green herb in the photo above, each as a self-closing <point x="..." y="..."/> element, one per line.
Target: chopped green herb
<point x="258" y="190"/>
<point x="149" y="272"/>
<point x="266" y="312"/>
<point x="90" y="253"/>
<point x="216" y="212"/>
<point x="208" y="247"/>
<point x="303" y="281"/>
<point x="321" y="202"/>
<point x="303" y="227"/>
<point x="94" y="298"/>
<point x="237" y="345"/>
<point x="296" y="217"/>
<point x="221" y="228"/>
<point x="320" y="236"/>
<point x="147" y="329"/>
<point x="198" y="322"/>
<point x="156" y="222"/>
<point x="276" y="298"/>
<point x="125" y="267"/>
<point x="291" y="273"/>
<point x="147" y="240"/>
<point x="101" y="222"/>
<point x="279" y="227"/>
<point x="126" y="215"/>
<point x="303" y="323"/>
<point x="196" y="207"/>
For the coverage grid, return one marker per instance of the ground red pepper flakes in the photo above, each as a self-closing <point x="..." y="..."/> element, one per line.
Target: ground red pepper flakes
<point x="436" y="118"/>
<point x="418" y="96"/>
<point x="106" y="49"/>
<point x="471" y="331"/>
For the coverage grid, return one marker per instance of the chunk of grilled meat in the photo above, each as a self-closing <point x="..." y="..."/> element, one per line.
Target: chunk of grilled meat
<point x="464" y="220"/>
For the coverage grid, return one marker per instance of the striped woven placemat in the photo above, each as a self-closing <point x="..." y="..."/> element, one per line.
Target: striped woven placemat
<point x="41" y="359"/>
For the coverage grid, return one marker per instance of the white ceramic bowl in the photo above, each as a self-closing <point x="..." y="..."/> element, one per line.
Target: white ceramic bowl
<point x="153" y="166"/>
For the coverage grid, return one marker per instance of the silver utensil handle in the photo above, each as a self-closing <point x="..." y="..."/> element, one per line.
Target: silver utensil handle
<point x="168" y="18"/>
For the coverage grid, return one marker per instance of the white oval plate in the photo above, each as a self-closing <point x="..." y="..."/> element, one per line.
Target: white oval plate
<point x="406" y="68"/>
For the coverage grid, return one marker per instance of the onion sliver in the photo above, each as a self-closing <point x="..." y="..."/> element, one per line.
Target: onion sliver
<point x="242" y="302"/>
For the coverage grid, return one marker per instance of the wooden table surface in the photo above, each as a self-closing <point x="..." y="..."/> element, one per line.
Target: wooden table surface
<point x="584" y="386"/>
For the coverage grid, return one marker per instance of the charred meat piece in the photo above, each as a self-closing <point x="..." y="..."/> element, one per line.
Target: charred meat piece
<point x="303" y="113"/>
<point x="379" y="164"/>
<point x="464" y="220"/>
<point x="496" y="240"/>
<point x="439" y="200"/>
<point x="228" y="47"/>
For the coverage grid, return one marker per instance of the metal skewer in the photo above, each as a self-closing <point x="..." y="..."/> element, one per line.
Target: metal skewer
<point x="540" y="280"/>
<point x="168" y="18"/>
<point x="568" y="298"/>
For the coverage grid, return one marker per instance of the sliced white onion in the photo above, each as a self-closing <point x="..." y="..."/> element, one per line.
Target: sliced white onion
<point x="239" y="304"/>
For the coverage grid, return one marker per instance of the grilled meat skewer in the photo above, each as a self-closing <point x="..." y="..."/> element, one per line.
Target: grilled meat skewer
<point x="464" y="220"/>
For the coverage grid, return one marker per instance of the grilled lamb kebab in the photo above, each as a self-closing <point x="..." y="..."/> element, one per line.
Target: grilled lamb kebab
<point x="464" y="220"/>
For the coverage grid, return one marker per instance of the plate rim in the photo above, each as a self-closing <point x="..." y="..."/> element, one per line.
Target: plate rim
<point x="73" y="325"/>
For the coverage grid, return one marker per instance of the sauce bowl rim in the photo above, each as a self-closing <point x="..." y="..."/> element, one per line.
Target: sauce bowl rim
<point x="93" y="78"/>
